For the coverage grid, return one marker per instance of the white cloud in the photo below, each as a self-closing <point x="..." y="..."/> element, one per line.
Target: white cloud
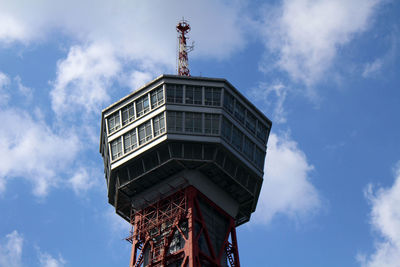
<point x="287" y="189"/>
<point x="46" y="260"/>
<point x="139" y="78"/>
<point x="385" y="219"/>
<point x="4" y="83"/>
<point x="372" y="68"/>
<point x="271" y="96"/>
<point x="30" y="149"/>
<point x="129" y="25"/>
<point x="306" y="34"/>
<point x="83" y="78"/>
<point x="11" y="250"/>
<point x="23" y="90"/>
<point x="83" y="180"/>
<point x="11" y="29"/>
<point x="115" y="38"/>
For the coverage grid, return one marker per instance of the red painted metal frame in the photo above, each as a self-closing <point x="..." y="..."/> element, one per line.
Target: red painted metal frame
<point x="155" y="226"/>
<point x="183" y="28"/>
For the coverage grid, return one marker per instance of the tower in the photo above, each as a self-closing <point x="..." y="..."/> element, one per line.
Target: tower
<point x="183" y="28"/>
<point x="183" y="161"/>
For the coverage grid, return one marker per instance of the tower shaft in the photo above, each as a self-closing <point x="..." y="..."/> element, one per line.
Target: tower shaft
<point x="183" y="62"/>
<point x="184" y="229"/>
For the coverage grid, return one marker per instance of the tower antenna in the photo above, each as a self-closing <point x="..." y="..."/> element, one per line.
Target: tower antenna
<point x="183" y="28"/>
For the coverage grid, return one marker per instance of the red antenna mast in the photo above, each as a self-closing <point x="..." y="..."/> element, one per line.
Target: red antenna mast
<point x="183" y="28"/>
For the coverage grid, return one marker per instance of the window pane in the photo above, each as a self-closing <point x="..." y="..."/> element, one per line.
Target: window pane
<point x="142" y="135"/>
<point x="193" y="122"/>
<point x="239" y="111"/>
<point x="171" y="121"/>
<point x="114" y="122"/>
<point x="237" y="138"/>
<point x="142" y="106"/>
<point x="116" y="148"/>
<point x="216" y="97"/>
<point x="215" y="124"/>
<point x="226" y="129"/>
<point x="148" y="131"/>
<point x="178" y="94"/>
<point x="211" y="123"/>
<point x="228" y="101"/>
<point x="170" y="93"/>
<point x="248" y="148"/>
<point x="259" y="158"/>
<point x="208" y="96"/>
<point x="212" y="96"/>
<point x="158" y="124"/>
<point x="145" y="104"/>
<point x="251" y="122"/>
<point x="157" y="97"/>
<point x="174" y="93"/>
<point x="179" y="121"/>
<point x="189" y="93"/>
<point x="193" y="95"/>
<point x="174" y="121"/>
<point x="197" y="123"/>
<point x="198" y="96"/>
<point x="189" y="122"/>
<point x="130" y="141"/>
<point x="127" y="114"/>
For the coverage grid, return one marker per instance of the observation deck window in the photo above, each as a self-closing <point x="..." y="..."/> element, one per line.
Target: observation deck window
<point x="114" y="122"/>
<point x="174" y="93"/>
<point x="193" y="95"/>
<point x="130" y="141"/>
<point x="116" y="148"/>
<point x="159" y="124"/>
<point x="228" y="101"/>
<point x="142" y="106"/>
<point x="157" y="97"/>
<point x="212" y="96"/>
<point x="239" y="111"/>
<point x="175" y="121"/>
<point x="145" y="132"/>
<point x="193" y="122"/>
<point x="211" y="123"/>
<point x="226" y="129"/>
<point x="128" y="114"/>
<point x="248" y="148"/>
<point x="237" y="137"/>
<point x="262" y="131"/>
<point x="259" y="158"/>
<point x="251" y="122"/>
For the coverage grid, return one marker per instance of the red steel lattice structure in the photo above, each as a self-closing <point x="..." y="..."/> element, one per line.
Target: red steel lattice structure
<point x="185" y="229"/>
<point x="183" y="28"/>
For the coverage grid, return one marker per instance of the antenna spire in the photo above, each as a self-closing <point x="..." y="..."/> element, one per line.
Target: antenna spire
<point x="183" y="28"/>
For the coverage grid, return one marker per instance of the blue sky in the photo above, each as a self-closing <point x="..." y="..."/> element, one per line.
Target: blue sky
<point x="327" y="73"/>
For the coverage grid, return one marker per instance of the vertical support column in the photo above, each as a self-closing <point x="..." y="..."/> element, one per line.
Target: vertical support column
<point x="235" y="246"/>
<point x="136" y="242"/>
<point x="190" y="246"/>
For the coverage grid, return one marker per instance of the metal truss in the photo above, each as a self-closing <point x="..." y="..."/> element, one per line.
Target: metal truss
<point x="184" y="229"/>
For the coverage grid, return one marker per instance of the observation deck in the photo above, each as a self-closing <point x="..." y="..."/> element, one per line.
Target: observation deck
<point x="178" y="131"/>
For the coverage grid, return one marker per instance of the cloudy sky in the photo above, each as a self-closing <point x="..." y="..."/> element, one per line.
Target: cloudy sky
<point x="327" y="73"/>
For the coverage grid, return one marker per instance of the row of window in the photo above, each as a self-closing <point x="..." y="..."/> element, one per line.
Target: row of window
<point x="189" y="122"/>
<point x="193" y="95"/>
<point x="244" y="116"/>
<point x="193" y="122"/>
<point x="135" y="109"/>
<point x="138" y="136"/>
<point x="241" y="142"/>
